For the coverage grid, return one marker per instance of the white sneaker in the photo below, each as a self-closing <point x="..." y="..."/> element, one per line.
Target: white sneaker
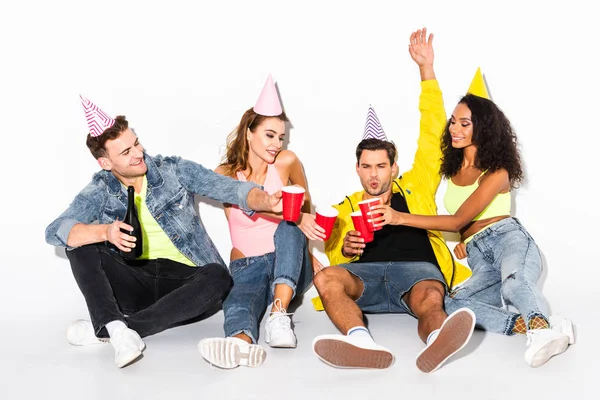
<point x="453" y="335"/>
<point x="279" y="331"/>
<point x="346" y="352"/>
<point x="564" y="325"/>
<point x="81" y="333"/>
<point x="231" y="352"/>
<point x="128" y="346"/>
<point x="542" y="344"/>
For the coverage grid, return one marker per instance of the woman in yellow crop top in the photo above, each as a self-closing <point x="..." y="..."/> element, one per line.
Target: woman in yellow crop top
<point x="270" y="262"/>
<point x="482" y="164"/>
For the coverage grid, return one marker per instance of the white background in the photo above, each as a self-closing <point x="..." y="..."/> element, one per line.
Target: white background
<point x="183" y="73"/>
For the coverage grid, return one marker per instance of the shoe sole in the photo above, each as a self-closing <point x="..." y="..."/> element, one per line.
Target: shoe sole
<point x="453" y="336"/>
<point x="282" y="345"/>
<point x="227" y="354"/>
<point x="89" y="342"/>
<point x="551" y="349"/>
<point x="341" y="354"/>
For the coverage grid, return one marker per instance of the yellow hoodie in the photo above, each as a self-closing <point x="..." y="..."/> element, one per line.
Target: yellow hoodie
<point x="418" y="186"/>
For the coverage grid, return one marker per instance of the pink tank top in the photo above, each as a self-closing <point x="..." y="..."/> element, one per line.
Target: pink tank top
<point x="253" y="236"/>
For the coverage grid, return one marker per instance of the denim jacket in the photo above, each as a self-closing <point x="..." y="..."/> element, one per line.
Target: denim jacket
<point x="172" y="183"/>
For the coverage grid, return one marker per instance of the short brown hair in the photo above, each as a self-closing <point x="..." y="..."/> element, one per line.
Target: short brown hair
<point x="377" y="144"/>
<point x="96" y="143"/>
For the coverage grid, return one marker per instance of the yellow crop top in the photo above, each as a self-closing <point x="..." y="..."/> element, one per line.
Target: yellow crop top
<point x="456" y="195"/>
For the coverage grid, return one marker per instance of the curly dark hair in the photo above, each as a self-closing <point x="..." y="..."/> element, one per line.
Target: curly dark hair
<point x="494" y="138"/>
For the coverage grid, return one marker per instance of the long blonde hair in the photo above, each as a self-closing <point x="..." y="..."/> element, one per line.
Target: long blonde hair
<point x="236" y="156"/>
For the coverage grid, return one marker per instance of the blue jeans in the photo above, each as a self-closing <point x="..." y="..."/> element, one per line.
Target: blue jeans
<point x="254" y="280"/>
<point x="506" y="266"/>
<point x="385" y="283"/>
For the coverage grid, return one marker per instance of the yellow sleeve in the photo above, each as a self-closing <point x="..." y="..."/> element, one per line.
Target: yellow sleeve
<point x="343" y="224"/>
<point x="426" y="165"/>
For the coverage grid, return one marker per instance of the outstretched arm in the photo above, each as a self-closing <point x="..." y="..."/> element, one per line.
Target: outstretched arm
<point x="489" y="187"/>
<point x="204" y="182"/>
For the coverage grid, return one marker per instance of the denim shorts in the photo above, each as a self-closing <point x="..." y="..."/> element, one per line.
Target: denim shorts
<point x="386" y="282"/>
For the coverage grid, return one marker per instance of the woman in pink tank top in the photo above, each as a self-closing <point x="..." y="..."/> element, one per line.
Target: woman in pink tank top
<point x="270" y="262"/>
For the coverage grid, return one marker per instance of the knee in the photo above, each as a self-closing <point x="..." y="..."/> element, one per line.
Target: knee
<point x="220" y="278"/>
<point x="83" y="252"/>
<point x="514" y="280"/>
<point x="288" y="231"/>
<point x="426" y="295"/>
<point x="328" y="280"/>
<point x="84" y="258"/>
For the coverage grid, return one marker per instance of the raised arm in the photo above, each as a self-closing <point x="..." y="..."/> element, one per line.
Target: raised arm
<point x="427" y="161"/>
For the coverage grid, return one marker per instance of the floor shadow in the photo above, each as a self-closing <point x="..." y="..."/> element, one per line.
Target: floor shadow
<point x="60" y="252"/>
<point x="474" y="343"/>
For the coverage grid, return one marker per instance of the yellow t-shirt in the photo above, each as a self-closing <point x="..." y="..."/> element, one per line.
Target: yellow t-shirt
<point x="156" y="243"/>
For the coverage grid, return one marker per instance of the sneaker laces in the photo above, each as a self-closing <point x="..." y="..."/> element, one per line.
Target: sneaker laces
<point x="280" y="316"/>
<point x="277" y="309"/>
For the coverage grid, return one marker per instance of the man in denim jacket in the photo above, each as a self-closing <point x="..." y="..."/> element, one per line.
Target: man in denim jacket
<point x="180" y="274"/>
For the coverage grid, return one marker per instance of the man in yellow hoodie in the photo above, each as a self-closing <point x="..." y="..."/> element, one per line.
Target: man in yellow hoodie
<point x="403" y="270"/>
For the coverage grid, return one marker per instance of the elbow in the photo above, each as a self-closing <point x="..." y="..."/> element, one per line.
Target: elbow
<point x="458" y="225"/>
<point x="50" y="235"/>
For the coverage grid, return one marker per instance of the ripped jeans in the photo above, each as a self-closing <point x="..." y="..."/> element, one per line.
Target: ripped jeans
<point x="254" y="280"/>
<point x="506" y="266"/>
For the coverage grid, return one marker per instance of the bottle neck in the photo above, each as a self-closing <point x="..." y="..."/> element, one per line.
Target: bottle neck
<point x="130" y="197"/>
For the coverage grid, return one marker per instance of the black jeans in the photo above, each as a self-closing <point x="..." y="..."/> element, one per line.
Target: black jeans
<point x="148" y="295"/>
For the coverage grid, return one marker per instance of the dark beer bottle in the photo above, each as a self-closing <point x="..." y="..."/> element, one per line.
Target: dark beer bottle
<point x="131" y="219"/>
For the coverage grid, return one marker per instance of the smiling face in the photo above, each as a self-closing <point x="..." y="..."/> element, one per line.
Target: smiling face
<point x="461" y="127"/>
<point x="375" y="172"/>
<point x="267" y="139"/>
<point x="124" y="157"/>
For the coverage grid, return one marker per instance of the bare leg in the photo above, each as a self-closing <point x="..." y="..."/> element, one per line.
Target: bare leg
<point x="283" y="293"/>
<point x="339" y="289"/>
<point x="426" y="300"/>
<point x="244" y="337"/>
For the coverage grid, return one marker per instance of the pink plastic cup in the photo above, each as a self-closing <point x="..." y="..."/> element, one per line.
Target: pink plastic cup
<point x="325" y="218"/>
<point x="359" y="225"/>
<point x="292" y="197"/>
<point x="365" y="207"/>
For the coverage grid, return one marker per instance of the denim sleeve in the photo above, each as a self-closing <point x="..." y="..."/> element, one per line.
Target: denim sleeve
<point x="205" y="182"/>
<point x="83" y="209"/>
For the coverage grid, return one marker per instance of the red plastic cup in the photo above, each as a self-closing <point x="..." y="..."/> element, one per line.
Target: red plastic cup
<point x="359" y="225"/>
<point x="325" y="218"/>
<point x="293" y="197"/>
<point x="365" y="207"/>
